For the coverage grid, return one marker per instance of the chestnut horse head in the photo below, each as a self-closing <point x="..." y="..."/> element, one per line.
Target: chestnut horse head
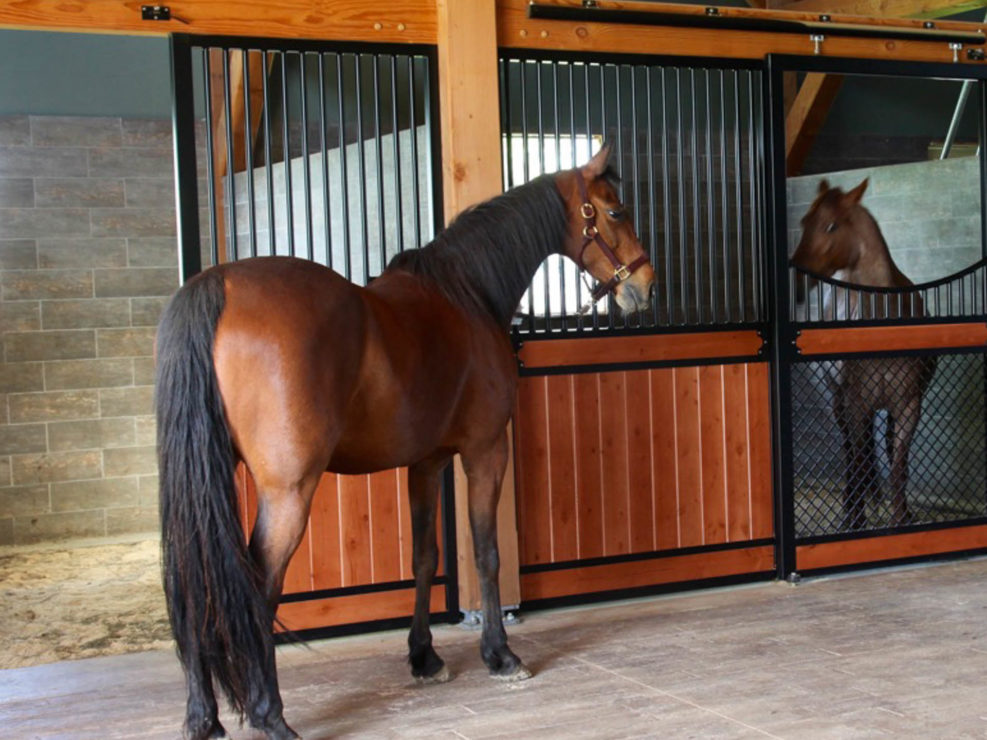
<point x="831" y="234"/>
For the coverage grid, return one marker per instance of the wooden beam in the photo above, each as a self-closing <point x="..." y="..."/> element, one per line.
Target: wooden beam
<point x="806" y="117"/>
<point x="516" y="30"/>
<point x="471" y="172"/>
<point x="409" y="21"/>
<point x="924" y="9"/>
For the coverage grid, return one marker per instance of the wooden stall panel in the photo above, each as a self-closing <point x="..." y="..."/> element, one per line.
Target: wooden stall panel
<point x="359" y="532"/>
<point x="639" y="461"/>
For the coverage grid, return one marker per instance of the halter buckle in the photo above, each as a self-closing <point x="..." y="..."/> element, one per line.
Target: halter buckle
<point x="587" y="211"/>
<point x="621" y="273"/>
<point x="590" y="231"/>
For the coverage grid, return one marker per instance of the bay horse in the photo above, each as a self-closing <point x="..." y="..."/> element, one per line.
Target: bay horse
<point x="286" y="366"/>
<point x="841" y="240"/>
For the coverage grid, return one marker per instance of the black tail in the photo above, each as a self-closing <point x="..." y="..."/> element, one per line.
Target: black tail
<point x="219" y="617"/>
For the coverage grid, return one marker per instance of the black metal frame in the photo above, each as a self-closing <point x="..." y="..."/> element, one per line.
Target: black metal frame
<point x="189" y="231"/>
<point x="594" y="324"/>
<point x="786" y="329"/>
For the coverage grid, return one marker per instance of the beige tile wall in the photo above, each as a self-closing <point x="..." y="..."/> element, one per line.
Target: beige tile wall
<point x="87" y="260"/>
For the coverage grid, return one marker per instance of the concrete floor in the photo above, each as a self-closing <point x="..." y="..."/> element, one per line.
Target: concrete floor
<point x="898" y="653"/>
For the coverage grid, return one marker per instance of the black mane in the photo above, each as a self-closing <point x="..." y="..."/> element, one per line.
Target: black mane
<point x="485" y="259"/>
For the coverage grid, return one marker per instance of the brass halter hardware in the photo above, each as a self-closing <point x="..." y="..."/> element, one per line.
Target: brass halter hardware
<point x="591" y="235"/>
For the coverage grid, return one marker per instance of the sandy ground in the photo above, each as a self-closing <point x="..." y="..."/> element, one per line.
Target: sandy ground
<point x="62" y="603"/>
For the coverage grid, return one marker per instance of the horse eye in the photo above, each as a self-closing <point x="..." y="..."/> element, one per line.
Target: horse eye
<point x="831" y="228"/>
<point x="617" y="214"/>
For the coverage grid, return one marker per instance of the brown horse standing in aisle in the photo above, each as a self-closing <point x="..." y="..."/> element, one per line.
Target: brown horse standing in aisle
<point x="840" y="239"/>
<point x="283" y="364"/>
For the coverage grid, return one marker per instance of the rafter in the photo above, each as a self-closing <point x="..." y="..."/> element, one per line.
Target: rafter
<point x="928" y="9"/>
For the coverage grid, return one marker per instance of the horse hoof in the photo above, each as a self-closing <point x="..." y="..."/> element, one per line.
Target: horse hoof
<point x="520" y="673"/>
<point x="443" y="675"/>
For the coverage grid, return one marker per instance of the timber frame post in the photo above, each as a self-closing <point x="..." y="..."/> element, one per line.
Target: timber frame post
<point x="472" y="172"/>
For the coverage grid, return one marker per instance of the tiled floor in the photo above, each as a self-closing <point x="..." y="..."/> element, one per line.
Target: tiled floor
<point x="897" y="653"/>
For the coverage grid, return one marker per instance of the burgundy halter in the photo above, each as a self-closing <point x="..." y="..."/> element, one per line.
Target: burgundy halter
<point x="591" y="235"/>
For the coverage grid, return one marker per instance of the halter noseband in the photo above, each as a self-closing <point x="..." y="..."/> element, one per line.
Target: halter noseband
<point x="591" y="235"/>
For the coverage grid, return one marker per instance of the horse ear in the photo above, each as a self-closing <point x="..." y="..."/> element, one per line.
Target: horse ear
<point x="823" y="186"/>
<point x="854" y="196"/>
<point x="598" y="164"/>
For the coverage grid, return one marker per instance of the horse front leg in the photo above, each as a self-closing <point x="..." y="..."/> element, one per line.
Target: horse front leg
<point x="485" y="473"/>
<point x="423" y="495"/>
<point x="906" y="421"/>
<point x="858" y="456"/>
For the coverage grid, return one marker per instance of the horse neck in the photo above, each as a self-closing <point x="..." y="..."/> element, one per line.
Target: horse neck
<point x="874" y="265"/>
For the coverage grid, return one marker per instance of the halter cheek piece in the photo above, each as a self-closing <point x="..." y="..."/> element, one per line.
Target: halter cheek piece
<point x="591" y="235"/>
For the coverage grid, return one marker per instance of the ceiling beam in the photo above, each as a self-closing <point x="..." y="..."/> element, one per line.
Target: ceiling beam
<point x="925" y="9"/>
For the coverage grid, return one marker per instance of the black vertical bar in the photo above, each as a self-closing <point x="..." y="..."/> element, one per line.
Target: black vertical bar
<point x="230" y="199"/>
<point x="286" y="150"/>
<point x="324" y="146"/>
<point x="724" y="200"/>
<point x="415" y="184"/>
<point x="739" y="188"/>
<point x="271" y="226"/>
<point x="210" y="165"/>
<point x="710" y="205"/>
<point x="652" y="196"/>
<point x="558" y="165"/>
<point x="344" y="190"/>
<point x="589" y="141"/>
<point x="306" y="165"/>
<point x="696" y="220"/>
<point x="783" y="334"/>
<point x="525" y="170"/>
<point x="635" y="155"/>
<point x="572" y="164"/>
<point x="618" y="106"/>
<point x="680" y="177"/>
<point x="434" y="144"/>
<point x="504" y="74"/>
<point x="248" y="150"/>
<point x="667" y="203"/>
<point x="757" y="256"/>
<point x="361" y="165"/>
<point x="183" y="136"/>
<point x="398" y="190"/>
<point x="539" y="96"/>
<point x="379" y="145"/>
<point x="603" y="130"/>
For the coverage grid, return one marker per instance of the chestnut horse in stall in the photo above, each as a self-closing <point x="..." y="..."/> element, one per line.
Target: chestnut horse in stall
<point x="283" y="364"/>
<point x="841" y="240"/>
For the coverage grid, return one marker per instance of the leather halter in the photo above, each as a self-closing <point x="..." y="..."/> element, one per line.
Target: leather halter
<point x="591" y="235"/>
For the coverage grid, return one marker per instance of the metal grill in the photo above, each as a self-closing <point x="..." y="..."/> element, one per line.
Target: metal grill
<point x="961" y="295"/>
<point x="324" y="153"/>
<point x="843" y="442"/>
<point x="688" y="148"/>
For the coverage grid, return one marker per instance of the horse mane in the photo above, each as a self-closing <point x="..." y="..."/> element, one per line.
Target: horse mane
<point x="484" y="260"/>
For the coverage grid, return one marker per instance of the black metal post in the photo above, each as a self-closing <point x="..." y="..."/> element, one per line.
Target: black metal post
<point x="183" y="137"/>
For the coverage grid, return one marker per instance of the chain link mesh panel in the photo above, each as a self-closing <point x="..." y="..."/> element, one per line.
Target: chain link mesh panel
<point x="888" y="442"/>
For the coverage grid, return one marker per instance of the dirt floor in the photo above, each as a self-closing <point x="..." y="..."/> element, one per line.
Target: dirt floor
<point x="67" y="602"/>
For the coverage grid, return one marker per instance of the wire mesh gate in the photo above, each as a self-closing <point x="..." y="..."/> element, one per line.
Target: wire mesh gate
<point x="880" y="393"/>
<point x="325" y="152"/>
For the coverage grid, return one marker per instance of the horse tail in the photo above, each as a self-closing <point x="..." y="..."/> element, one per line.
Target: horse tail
<point x="220" y="619"/>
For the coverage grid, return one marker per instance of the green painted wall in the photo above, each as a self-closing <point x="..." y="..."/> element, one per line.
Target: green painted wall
<point x="52" y="73"/>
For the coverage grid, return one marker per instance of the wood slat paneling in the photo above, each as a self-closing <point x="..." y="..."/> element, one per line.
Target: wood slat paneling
<point x="643" y="573"/>
<point x="657" y="348"/>
<point x="359" y="532"/>
<point x="891" y="547"/>
<point x="891" y="338"/>
<point x="617" y="463"/>
<point x="342" y="610"/>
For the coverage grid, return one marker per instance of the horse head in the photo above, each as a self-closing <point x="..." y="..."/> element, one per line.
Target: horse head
<point x="830" y="240"/>
<point x="601" y="237"/>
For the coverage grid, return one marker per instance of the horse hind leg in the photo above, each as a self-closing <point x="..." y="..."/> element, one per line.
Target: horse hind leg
<point x="856" y="429"/>
<point x="485" y="473"/>
<point x="282" y="515"/>
<point x="423" y="495"/>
